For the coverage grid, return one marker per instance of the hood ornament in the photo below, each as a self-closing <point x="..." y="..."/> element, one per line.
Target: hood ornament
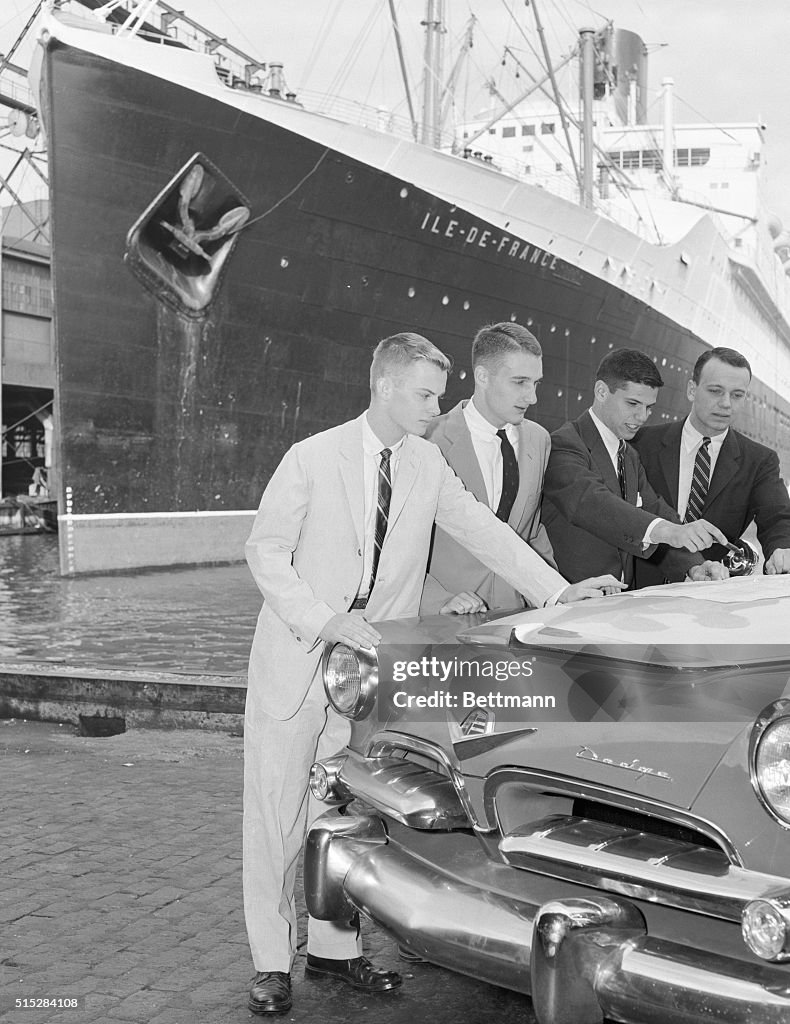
<point x="741" y="558"/>
<point x="588" y="754"/>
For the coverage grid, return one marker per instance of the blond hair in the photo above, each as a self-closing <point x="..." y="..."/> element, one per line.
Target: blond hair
<point x="397" y="353"/>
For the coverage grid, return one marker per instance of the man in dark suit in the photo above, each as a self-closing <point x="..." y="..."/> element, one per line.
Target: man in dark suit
<point x="704" y="467"/>
<point x="501" y="457"/>
<point x="598" y="507"/>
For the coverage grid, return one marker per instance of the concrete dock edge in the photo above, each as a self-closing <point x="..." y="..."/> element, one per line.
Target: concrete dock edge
<point x="145" y="700"/>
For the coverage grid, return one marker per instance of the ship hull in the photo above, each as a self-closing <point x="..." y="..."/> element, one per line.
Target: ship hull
<point x="172" y="418"/>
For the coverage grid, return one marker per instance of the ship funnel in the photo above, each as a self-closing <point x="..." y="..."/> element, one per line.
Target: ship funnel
<point x="276" y="78"/>
<point x="621" y="74"/>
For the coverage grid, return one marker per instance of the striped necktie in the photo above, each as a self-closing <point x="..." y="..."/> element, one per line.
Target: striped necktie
<point x="509" y="477"/>
<point x="699" y="483"/>
<point x="621" y="469"/>
<point x="382" y="511"/>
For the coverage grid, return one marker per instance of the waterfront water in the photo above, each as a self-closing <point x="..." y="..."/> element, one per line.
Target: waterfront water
<point x="194" y="620"/>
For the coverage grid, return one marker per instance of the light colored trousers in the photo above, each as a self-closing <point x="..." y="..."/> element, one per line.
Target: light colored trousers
<point x="278" y="807"/>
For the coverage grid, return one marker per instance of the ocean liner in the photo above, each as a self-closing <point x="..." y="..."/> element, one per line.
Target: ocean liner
<point x="225" y="259"/>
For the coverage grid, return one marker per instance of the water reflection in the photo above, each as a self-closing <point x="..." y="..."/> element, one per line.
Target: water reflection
<point x="180" y="620"/>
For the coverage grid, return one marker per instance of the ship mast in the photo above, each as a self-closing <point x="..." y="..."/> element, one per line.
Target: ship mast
<point x="587" y="50"/>
<point x="449" y="89"/>
<point x="402" y="63"/>
<point x="432" y="88"/>
<point x="557" y="97"/>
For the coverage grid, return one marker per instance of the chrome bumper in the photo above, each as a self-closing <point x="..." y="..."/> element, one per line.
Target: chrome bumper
<point x="581" y="959"/>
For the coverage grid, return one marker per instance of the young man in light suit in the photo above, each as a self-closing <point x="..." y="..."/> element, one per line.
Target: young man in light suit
<point x="343" y="529"/>
<point x="501" y="457"/>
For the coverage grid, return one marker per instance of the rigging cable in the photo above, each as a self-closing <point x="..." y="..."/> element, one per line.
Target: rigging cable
<point x="345" y="67"/>
<point x="284" y="198"/>
<point x="324" y="30"/>
<point x="223" y="9"/>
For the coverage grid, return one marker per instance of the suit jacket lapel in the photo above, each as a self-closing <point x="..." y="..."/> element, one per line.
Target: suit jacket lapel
<point x="600" y="456"/>
<point x="461" y="453"/>
<point x="631" y="475"/>
<point x="669" y="460"/>
<point x="408" y="468"/>
<point x="353" y="476"/>
<point x="727" y="465"/>
<point x="592" y="438"/>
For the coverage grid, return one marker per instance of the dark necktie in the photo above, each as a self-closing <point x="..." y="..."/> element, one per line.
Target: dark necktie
<point x="509" y="477"/>
<point x="699" y="483"/>
<point x="382" y="511"/>
<point x="621" y="469"/>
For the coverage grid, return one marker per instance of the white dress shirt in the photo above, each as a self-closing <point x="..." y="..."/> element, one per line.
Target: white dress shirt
<point x="488" y="449"/>
<point x="372" y="448"/>
<point x="690" y="440"/>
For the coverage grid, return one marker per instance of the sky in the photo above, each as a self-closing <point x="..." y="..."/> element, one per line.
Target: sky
<point x="728" y="58"/>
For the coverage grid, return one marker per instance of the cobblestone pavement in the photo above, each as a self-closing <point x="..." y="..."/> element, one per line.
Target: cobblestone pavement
<point x="121" y="867"/>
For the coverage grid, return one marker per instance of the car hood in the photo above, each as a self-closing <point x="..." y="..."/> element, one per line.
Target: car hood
<point x="685" y="621"/>
<point x="650" y="693"/>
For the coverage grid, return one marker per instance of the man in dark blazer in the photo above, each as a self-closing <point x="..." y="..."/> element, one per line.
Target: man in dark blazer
<point x="598" y="507"/>
<point x="507" y="366"/>
<point x="744" y="480"/>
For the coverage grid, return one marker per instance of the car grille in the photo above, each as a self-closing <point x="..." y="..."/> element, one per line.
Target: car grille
<point x="629" y="862"/>
<point x="643" y="823"/>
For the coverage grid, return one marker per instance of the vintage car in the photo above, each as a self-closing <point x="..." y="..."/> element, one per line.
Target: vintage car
<point x="587" y="803"/>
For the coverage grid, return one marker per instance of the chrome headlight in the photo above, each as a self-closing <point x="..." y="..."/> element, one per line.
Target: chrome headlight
<point x="765" y="925"/>
<point x="769" y="759"/>
<point x="325" y="782"/>
<point x="351" y="679"/>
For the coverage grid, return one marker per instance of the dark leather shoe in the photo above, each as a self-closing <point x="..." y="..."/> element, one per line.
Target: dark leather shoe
<point x="408" y="957"/>
<point x="359" y="973"/>
<point x="270" y="992"/>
